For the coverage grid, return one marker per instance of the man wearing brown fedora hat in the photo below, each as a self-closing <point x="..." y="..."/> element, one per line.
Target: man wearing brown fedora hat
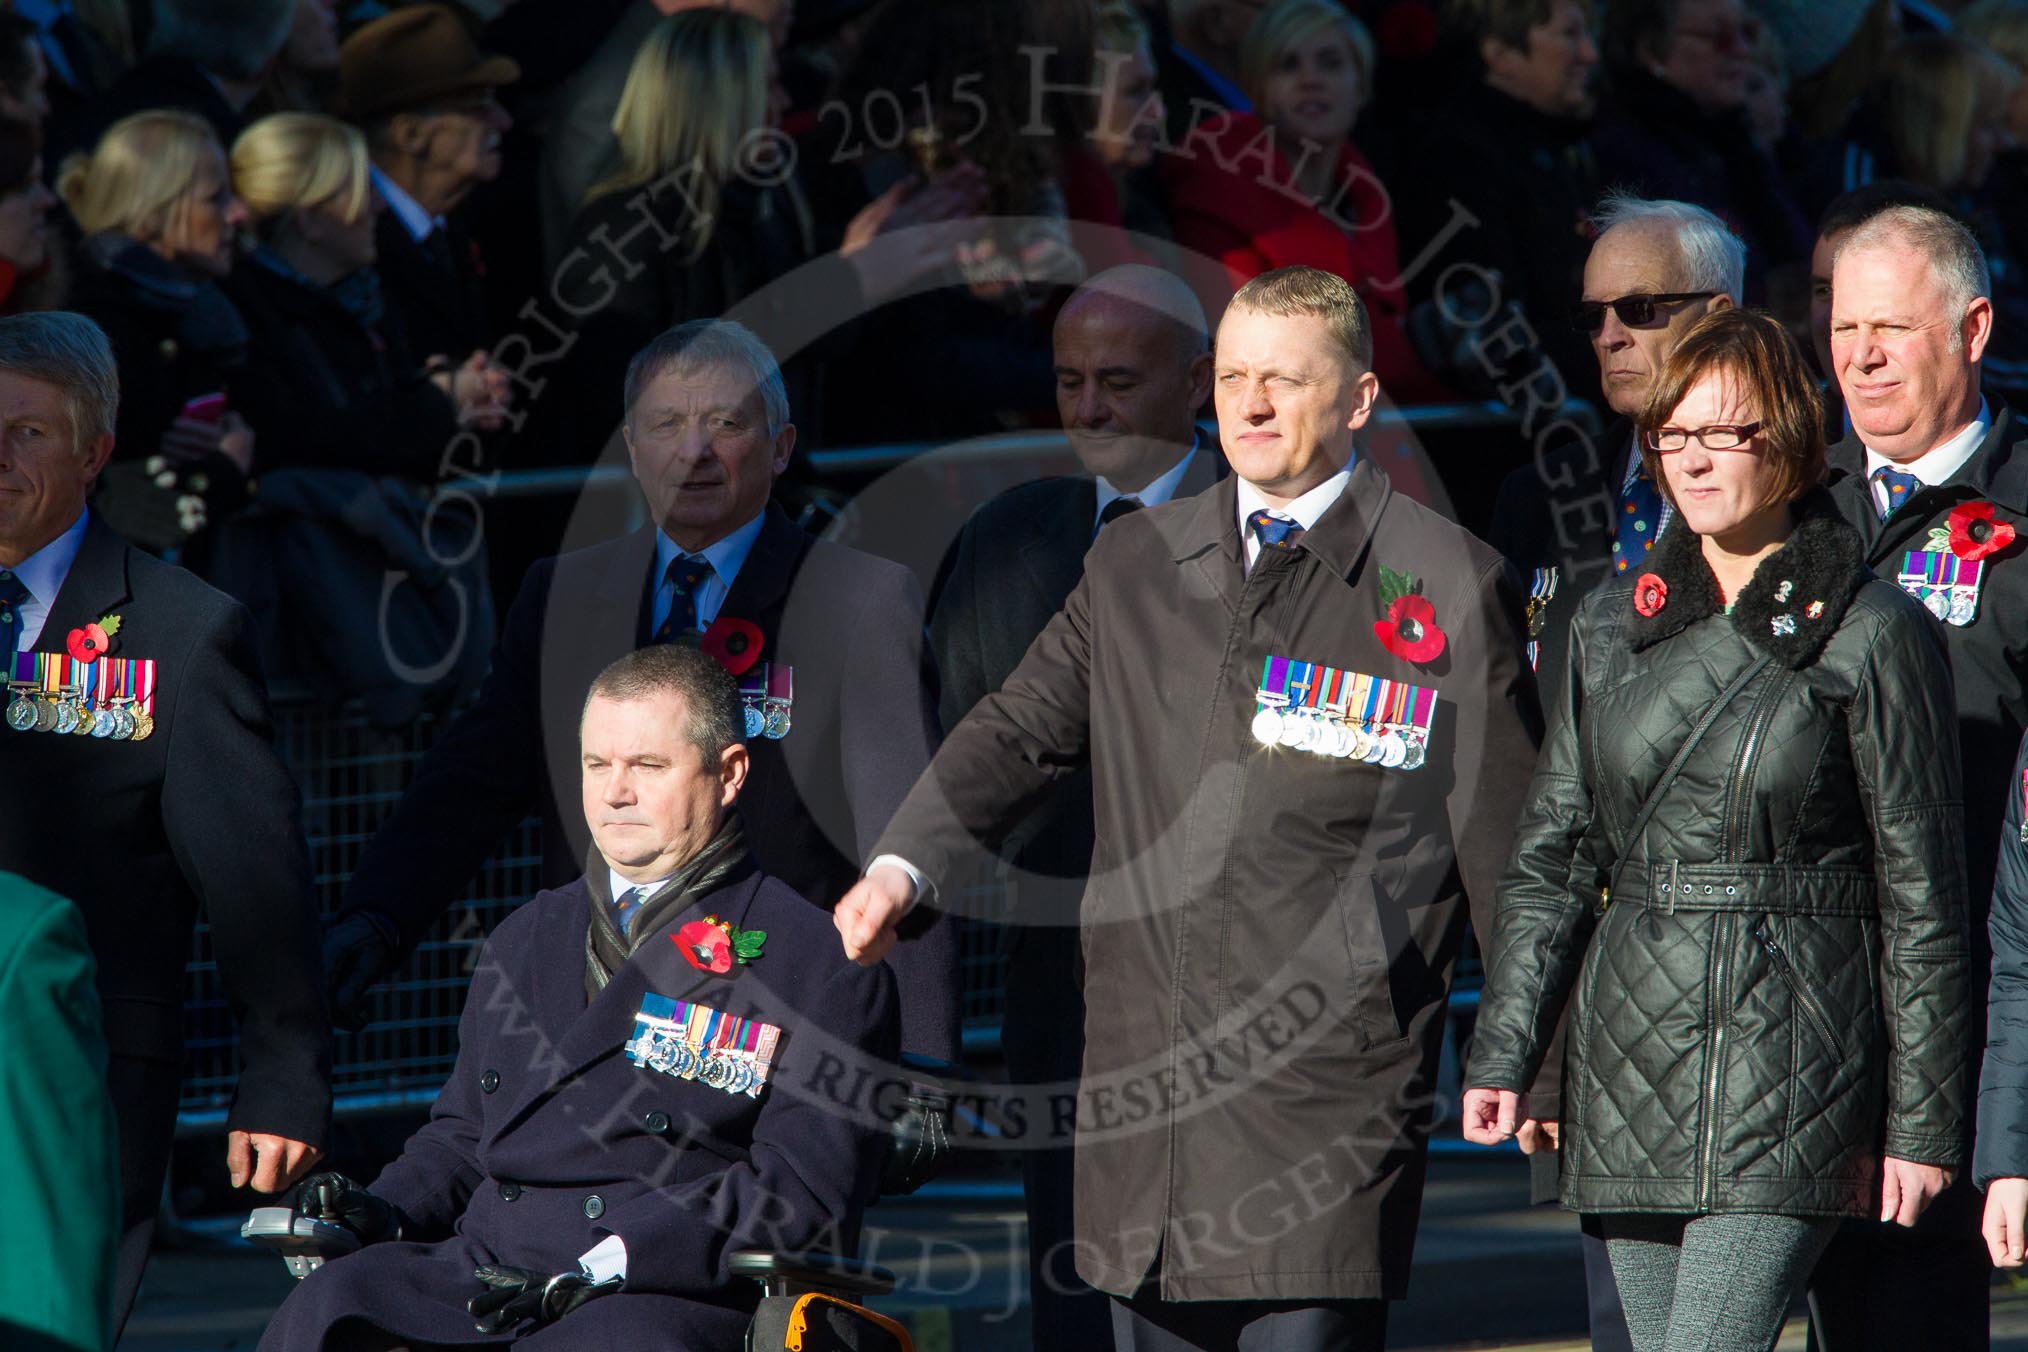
<point x="423" y="93"/>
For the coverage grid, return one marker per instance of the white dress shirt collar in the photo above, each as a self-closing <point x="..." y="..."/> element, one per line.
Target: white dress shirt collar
<point x="413" y="217"/>
<point x="1158" y="491"/>
<point x="621" y="886"/>
<point x="1936" y="465"/>
<point x="726" y="558"/>
<point x="43" y="573"/>
<point x="1305" y="511"/>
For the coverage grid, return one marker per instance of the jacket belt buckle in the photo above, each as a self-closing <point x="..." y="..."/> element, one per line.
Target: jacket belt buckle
<point x="1668" y="888"/>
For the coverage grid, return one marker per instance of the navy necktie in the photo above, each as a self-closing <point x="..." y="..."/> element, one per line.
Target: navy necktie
<point x="686" y="574"/>
<point x="1901" y="486"/>
<point x="1634" y="532"/>
<point x="1275" y="532"/>
<point x="12" y="593"/>
<point x="624" y="906"/>
<point x="1114" y="510"/>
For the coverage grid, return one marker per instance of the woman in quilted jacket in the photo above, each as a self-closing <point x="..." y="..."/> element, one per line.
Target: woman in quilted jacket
<point x="1738" y="869"/>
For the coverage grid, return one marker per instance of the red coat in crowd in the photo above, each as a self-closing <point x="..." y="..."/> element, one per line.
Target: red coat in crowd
<point x="1232" y="198"/>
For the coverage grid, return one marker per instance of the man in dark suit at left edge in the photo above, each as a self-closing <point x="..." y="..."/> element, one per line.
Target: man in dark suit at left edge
<point x="138" y="776"/>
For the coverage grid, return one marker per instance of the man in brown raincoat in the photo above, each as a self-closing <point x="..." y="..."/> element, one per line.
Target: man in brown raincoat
<point x="1310" y="726"/>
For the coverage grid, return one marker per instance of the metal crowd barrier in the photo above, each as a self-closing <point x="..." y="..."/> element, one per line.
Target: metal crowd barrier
<point x="351" y="775"/>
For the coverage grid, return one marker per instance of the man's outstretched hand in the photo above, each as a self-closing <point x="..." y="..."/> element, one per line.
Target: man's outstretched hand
<point x="867" y="915"/>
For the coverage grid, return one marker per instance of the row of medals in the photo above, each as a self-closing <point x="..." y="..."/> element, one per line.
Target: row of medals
<point x="720" y="1067"/>
<point x="770" y="719"/>
<point x="1321" y="735"/>
<point x="70" y="714"/>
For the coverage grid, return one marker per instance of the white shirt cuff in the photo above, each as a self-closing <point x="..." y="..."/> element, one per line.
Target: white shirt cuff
<point x="607" y="1260"/>
<point x="924" y="892"/>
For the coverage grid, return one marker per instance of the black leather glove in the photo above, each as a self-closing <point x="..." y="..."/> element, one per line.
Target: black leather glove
<point x="334" y="1198"/>
<point x="514" y="1294"/>
<point x="359" y="949"/>
<point x="918" y="1143"/>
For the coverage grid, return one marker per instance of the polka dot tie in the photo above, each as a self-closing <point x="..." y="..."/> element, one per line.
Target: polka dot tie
<point x="12" y="593"/>
<point x="1901" y="486"/>
<point x="1275" y="532"/>
<point x="1638" y="523"/>
<point x="686" y="574"/>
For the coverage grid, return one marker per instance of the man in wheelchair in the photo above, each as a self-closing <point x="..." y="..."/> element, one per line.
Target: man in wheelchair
<point x="633" y="1099"/>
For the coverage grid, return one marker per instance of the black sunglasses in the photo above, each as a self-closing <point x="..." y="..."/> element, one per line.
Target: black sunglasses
<point x="1635" y="311"/>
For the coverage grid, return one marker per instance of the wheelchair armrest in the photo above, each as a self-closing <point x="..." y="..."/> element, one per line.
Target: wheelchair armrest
<point x="303" y="1241"/>
<point x="792" y="1274"/>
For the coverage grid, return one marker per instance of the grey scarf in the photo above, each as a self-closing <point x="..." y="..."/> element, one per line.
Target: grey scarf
<point x="606" y="949"/>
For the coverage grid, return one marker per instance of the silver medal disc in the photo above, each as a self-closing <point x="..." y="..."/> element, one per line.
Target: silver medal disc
<point x="1294" y="727"/>
<point x="776" y="725"/>
<point x="102" y="723"/>
<point x="21" y="713"/>
<point x="1267" y="727"/>
<point x="1340" y="744"/>
<point x="1393" y="750"/>
<point x="123" y="724"/>
<point x="1964" y="603"/>
<point x="1938" y="601"/>
<point x="66" y="716"/>
<point x="754" y="722"/>
<point x="1416" y="756"/>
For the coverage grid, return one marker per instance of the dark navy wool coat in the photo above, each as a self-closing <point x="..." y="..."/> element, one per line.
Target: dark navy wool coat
<point x="547" y="1138"/>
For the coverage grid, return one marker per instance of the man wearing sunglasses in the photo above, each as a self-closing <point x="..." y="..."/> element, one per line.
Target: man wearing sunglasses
<point x="1586" y="509"/>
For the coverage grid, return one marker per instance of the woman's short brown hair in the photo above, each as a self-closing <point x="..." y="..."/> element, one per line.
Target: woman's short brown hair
<point x="1773" y="377"/>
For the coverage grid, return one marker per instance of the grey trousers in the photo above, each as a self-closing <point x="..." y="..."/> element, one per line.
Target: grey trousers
<point x="1711" y="1283"/>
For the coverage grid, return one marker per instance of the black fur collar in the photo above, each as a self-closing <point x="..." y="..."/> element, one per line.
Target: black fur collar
<point x="1790" y="608"/>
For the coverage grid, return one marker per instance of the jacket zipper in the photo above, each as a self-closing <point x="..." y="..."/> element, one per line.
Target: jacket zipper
<point x="1806" y="999"/>
<point x="1740" y="796"/>
<point x="1708" y="1155"/>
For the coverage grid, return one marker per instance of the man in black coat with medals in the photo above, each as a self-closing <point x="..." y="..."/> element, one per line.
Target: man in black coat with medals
<point x="654" y="1071"/>
<point x="1132" y="370"/>
<point x="1935" y="479"/>
<point x="138" y="776"/>
<point x="826" y="643"/>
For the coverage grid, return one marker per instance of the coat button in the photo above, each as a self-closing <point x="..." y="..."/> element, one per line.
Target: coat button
<point x="510" y="1191"/>
<point x="594" y="1207"/>
<point x="489" y="1081"/>
<point x="657" y="1122"/>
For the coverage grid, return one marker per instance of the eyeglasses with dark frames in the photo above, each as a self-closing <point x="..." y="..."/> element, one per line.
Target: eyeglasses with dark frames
<point x="1636" y="311"/>
<point x="1717" y="437"/>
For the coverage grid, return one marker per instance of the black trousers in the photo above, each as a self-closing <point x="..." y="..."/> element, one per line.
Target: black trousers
<point x="145" y="1094"/>
<point x="1888" y="1288"/>
<point x="1042" y="1034"/>
<point x="1145" y="1324"/>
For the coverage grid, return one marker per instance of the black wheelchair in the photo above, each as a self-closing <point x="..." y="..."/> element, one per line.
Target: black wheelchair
<point x="809" y="1301"/>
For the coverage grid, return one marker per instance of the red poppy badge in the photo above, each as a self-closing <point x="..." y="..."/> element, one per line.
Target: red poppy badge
<point x="735" y="644"/>
<point x="1410" y="630"/>
<point x="1650" y="595"/>
<point x="713" y="945"/>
